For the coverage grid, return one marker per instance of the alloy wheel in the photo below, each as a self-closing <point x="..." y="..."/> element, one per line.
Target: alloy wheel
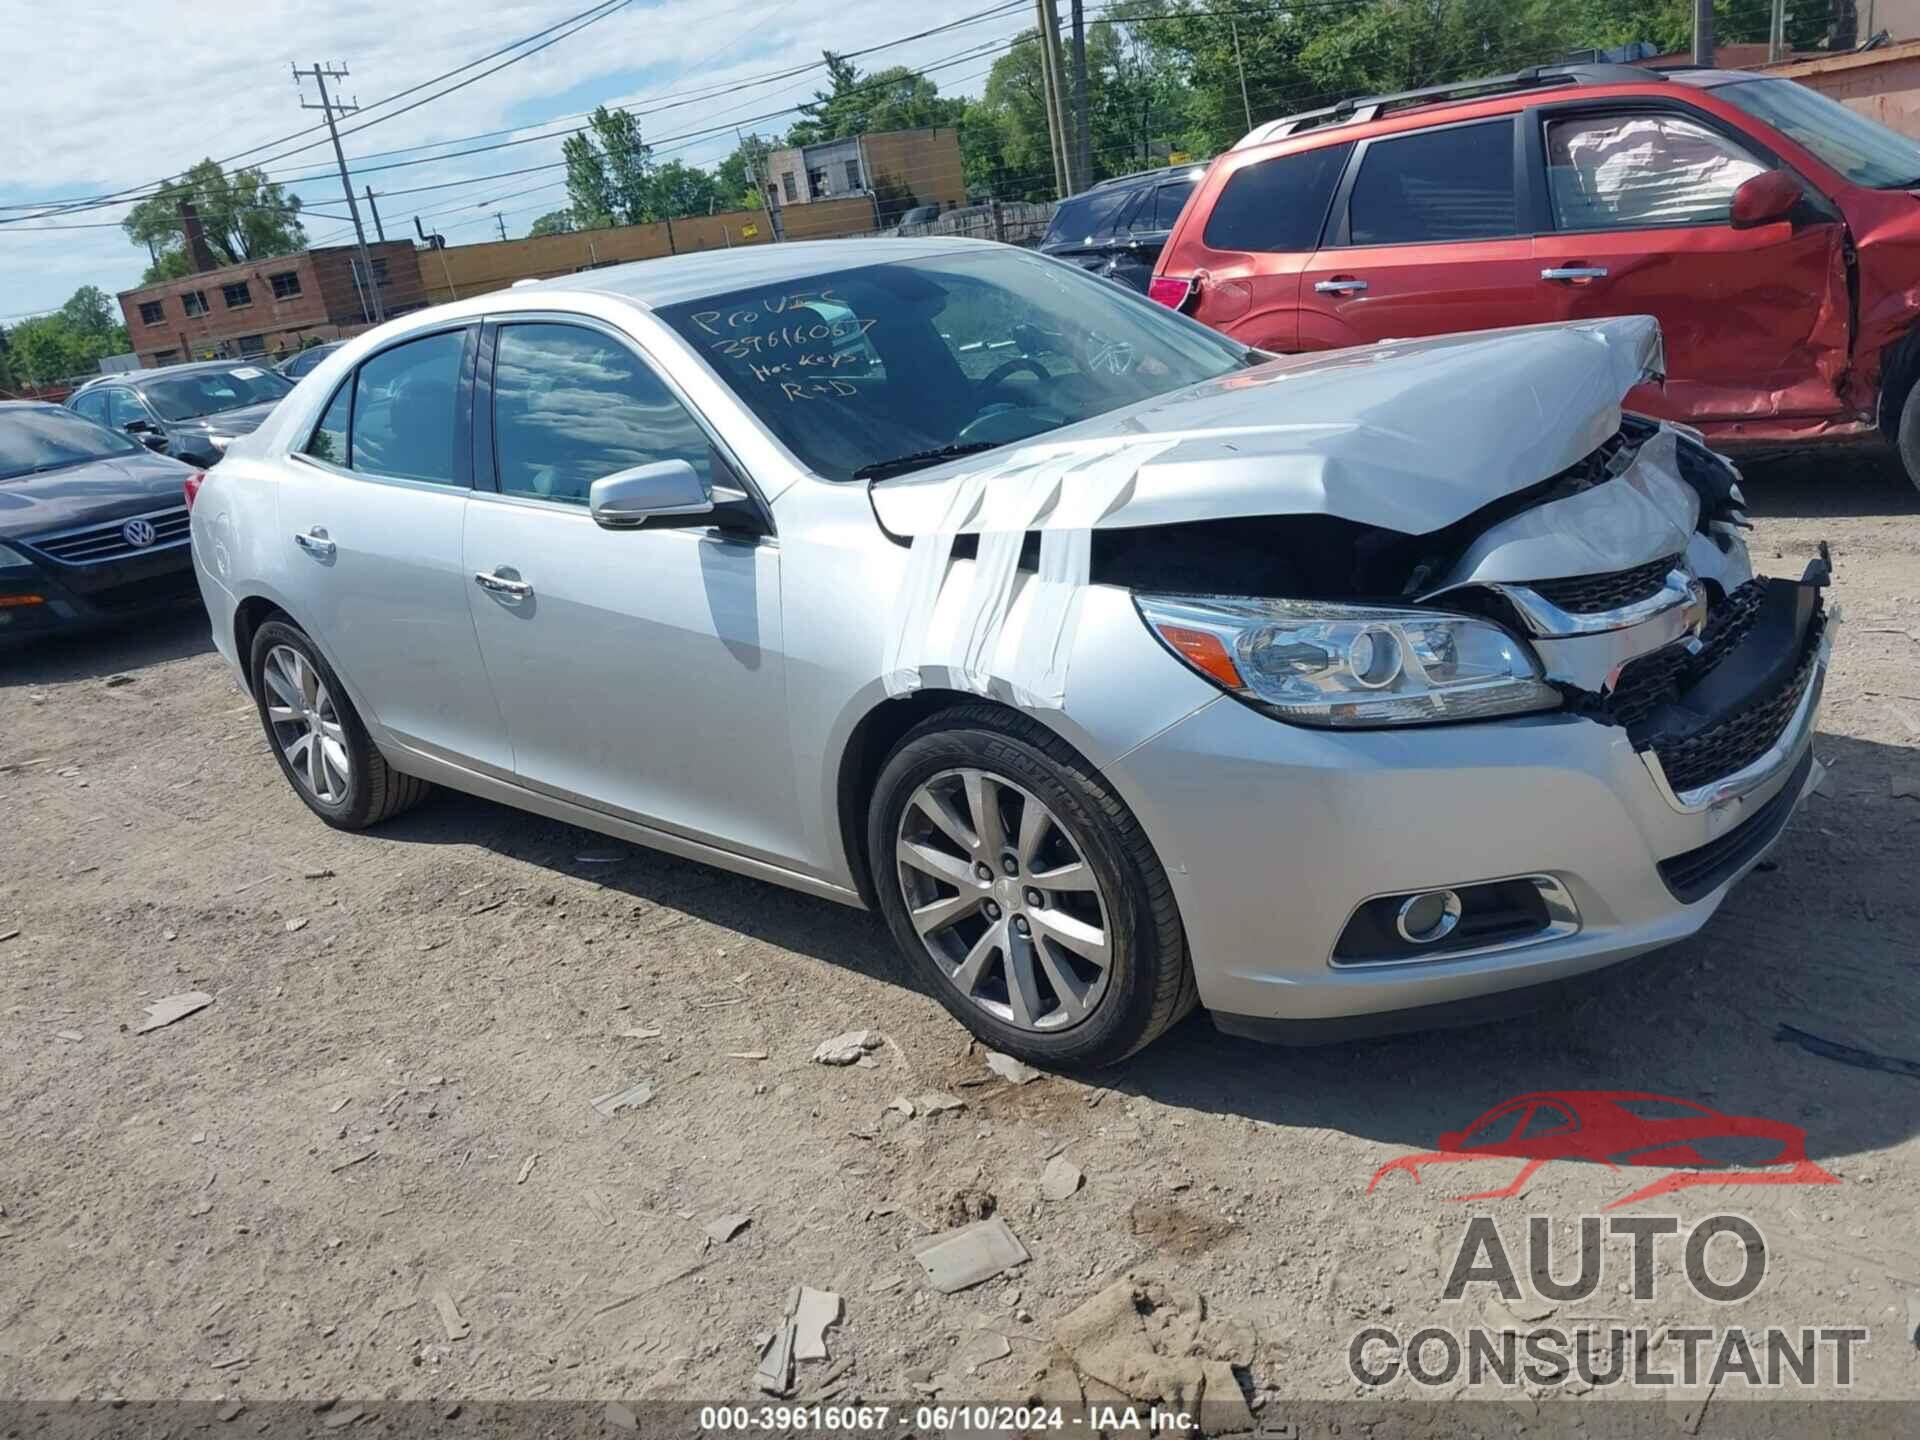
<point x="1004" y="900"/>
<point x="305" y="724"/>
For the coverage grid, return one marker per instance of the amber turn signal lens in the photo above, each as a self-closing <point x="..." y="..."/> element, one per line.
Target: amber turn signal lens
<point x="1204" y="652"/>
<point x="7" y="601"/>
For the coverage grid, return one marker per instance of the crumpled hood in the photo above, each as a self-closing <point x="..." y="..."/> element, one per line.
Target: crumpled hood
<point x="1407" y="435"/>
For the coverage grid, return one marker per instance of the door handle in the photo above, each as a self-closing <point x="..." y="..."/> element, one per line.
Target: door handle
<point x="511" y="591"/>
<point x="316" y="543"/>
<point x="1575" y="272"/>
<point x="1339" y="286"/>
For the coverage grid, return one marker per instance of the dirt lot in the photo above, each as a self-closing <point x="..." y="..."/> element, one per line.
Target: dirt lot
<point x="388" y="1100"/>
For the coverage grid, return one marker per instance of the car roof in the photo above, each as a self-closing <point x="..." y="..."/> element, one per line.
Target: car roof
<point x="1196" y="168"/>
<point x="673" y="279"/>
<point x="189" y="367"/>
<point x="1365" y="115"/>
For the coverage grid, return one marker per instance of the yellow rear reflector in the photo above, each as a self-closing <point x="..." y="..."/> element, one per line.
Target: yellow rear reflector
<point x="9" y="600"/>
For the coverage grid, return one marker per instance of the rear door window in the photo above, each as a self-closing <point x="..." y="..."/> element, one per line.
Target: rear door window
<point x="1627" y="172"/>
<point x="1086" y="217"/>
<point x="404" y="404"/>
<point x="1278" y="204"/>
<point x="1436" y="185"/>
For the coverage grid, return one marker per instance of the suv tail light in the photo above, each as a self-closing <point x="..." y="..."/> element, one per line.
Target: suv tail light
<point x="192" y="486"/>
<point x="1176" y="292"/>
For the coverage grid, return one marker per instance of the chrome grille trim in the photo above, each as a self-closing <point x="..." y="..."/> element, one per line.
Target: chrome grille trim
<point x="94" y="544"/>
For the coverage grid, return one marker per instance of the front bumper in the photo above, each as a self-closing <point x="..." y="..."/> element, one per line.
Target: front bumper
<point x="1273" y="835"/>
<point x="103" y="595"/>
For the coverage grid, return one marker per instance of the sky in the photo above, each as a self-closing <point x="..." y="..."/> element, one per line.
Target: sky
<point x="146" y="88"/>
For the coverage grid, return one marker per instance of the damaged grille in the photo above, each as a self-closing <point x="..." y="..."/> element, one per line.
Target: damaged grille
<point x="1657" y="679"/>
<point x="1742" y="737"/>
<point x="1592" y="594"/>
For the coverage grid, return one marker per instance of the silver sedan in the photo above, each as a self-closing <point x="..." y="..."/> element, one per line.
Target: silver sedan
<point x="1122" y="669"/>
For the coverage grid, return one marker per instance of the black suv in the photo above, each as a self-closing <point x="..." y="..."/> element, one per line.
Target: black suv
<point x="191" y="412"/>
<point x="1117" y="228"/>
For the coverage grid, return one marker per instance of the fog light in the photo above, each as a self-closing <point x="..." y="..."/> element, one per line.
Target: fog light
<point x="1428" y="916"/>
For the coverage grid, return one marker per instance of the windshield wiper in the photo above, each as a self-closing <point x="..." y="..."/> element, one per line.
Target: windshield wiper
<point x="920" y="459"/>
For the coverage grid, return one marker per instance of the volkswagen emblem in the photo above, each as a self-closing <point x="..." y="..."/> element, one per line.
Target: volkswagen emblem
<point x="137" y="533"/>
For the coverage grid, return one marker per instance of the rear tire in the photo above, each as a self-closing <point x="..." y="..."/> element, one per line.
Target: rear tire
<point x="1050" y="930"/>
<point x="317" y="737"/>
<point x="1906" y="438"/>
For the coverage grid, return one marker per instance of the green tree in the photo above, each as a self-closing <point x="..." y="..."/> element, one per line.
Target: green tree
<point x="609" y="170"/>
<point x="244" y="215"/>
<point x="742" y="173"/>
<point x="676" y="189"/>
<point x="554" y="222"/>
<point x="896" y="98"/>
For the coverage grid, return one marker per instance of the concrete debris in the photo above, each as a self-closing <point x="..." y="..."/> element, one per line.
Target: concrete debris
<point x="905" y="1106"/>
<point x="935" y="1102"/>
<point x="775" y="1373"/>
<point x="68" y="1035"/>
<point x="1152" y="1341"/>
<point x="615" y="1101"/>
<point x="341" y="1418"/>
<point x="640" y="1034"/>
<point x="456" y="1328"/>
<point x="1060" y="1179"/>
<point x="881" y="1286"/>
<point x="982" y="1348"/>
<point x="620" y="1417"/>
<point x="165" y="1011"/>
<point x="526" y="1169"/>
<point x="229" y="1411"/>
<point x="317" y="872"/>
<point x="340" y="1104"/>
<point x="724" y="1227"/>
<point x="1011" y="1070"/>
<point x="812" y="1313"/>
<point x="970" y="1255"/>
<point x="299" y="922"/>
<point x="847" y="1049"/>
<point x="746" y="1054"/>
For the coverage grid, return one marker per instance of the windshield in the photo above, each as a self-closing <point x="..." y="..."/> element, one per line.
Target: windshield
<point x="1866" y="152"/>
<point x="43" y="438"/>
<point x="859" y="370"/>
<point x="209" y="392"/>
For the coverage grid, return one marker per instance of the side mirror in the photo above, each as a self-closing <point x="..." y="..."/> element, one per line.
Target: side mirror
<point x="138" y="427"/>
<point x="664" y="490"/>
<point x="1767" y="197"/>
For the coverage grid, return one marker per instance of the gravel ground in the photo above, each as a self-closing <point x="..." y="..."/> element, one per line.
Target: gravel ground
<point x="387" y="1103"/>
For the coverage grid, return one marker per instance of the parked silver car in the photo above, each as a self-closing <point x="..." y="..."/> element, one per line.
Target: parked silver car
<point x="1118" y="667"/>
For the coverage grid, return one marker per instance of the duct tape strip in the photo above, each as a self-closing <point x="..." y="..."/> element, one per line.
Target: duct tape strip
<point x="1063" y="493"/>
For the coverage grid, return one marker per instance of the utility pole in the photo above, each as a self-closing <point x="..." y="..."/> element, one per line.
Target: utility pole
<point x="1241" y="64"/>
<point x="1050" y="68"/>
<point x="501" y="221"/>
<point x="1703" y="33"/>
<point x="1777" y="33"/>
<point x="320" y="74"/>
<point x="1082" y="131"/>
<point x="378" y="228"/>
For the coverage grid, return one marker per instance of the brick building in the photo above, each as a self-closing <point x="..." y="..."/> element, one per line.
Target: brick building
<point x="899" y="168"/>
<point x="265" y="307"/>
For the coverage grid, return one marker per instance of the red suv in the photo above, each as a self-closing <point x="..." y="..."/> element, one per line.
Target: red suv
<point x="1774" y="233"/>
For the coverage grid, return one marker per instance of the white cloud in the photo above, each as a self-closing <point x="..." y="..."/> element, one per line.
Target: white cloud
<point x="147" y="88"/>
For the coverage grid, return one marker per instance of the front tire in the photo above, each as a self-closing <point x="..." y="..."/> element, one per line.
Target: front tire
<point x="1022" y="887"/>
<point x="317" y="736"/>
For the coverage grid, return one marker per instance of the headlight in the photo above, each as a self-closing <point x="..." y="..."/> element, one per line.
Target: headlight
<point x="11" y="559"/>
<point x="1318" y="663"/>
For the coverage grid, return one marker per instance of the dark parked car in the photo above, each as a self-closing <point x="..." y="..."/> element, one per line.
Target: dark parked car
<point x="305" y="361"/>
<point x="93" y="528"/>
<point x="191" y="412"/>
<point x="1117" y="228"/>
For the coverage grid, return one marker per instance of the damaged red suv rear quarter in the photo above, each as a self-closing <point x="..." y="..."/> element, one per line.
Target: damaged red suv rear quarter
<point x="1773" y="233"/>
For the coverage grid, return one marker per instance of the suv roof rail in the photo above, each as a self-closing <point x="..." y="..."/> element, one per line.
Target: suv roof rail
<point x="1145" y="174"/>
<point x="1362" y="109"/>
